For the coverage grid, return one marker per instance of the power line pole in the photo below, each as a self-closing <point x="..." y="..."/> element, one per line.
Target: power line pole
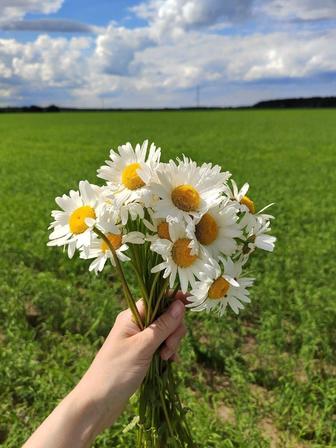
<point x="197" y="96"/>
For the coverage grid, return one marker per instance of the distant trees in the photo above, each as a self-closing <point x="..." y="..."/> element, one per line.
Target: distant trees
<point x="285" y="103"/>
<point x="33" y="108"/>
<point x="296" y="103"/>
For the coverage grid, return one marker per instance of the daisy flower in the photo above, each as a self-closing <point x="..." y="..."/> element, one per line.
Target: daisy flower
<point x="178" y="257"/>
<point x="243" y="202"/>
<point x="258" y="228"/>
<point x="158" y="226"/>
<point x="217" y="289"/>
<point x="187" y="191"/>
<point x="99" y="249"/>
<point x="240" y="199"/>
<point x="118" y="212"/>
<point x="129" y="171"/>
<point x="72" y="225"/>
<point x="216" y="230"/>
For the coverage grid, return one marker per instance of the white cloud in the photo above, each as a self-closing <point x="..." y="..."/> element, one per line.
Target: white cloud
<point x="48" y="25"/>
<point x="17" y="9"/>
<point x="161" y="70"/>
<point x="161" y="63"/>
<point x="116" y="48"/>
<point x="45" y="62"/>
<point x="203" y="59"/>
<point x="172" y="17"/>
<point x="300" y="9"/>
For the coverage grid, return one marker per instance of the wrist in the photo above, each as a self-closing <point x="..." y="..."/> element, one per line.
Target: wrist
<point x="74" y="422"/>
<point x="84" y="413"/>
<point x="98" y="398"/>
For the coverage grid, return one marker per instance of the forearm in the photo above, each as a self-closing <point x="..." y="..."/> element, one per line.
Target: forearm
<point x="115" y="374"/>
<point x="74" y="422"/>
<point x="93" y="405"/>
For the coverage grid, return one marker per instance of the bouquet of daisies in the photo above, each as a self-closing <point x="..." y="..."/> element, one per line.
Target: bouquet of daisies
<point x="179" y="226"/>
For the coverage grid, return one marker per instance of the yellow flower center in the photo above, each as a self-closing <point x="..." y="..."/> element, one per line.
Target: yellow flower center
<point x="249" y="203"/>
<point x="181" y="253"/>
<point x="130" y="178"/>
<point x="218" y="289"/>
<point x="186" y="198"/>
<point x="163" y="230"/>
<point x="77" y="219"/>
<point x="206" y="229"/>
<point x="115" y="239"/>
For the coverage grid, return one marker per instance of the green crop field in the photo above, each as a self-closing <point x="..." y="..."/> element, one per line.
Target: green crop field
<point x="264" y="379"/>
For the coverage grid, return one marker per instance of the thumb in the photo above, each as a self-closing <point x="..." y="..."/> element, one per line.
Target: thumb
<point x="161" y="328"/>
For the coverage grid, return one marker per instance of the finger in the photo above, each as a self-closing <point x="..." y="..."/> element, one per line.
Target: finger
<point x="180" y="296"/>
<point x="164" y="326"/>
<point x="140" y="304"/>
<point x="172" y="343"/>
<point x="127" y="314"/>
<point x="125" y="324"/>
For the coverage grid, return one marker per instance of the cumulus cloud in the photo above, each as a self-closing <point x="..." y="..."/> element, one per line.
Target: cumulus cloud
<point x="44" y="62"/>
<point x="17" y="9"/>
<point x="179" y="47"/>
<point x="300" y="9"/>
<point x="161" y="70"/>
<point x="174" y="16"/>
<point x="117" y="46"/>
<point x="204" y="59"/>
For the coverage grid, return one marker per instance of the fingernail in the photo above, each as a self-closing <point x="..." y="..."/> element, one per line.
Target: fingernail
<point x="176" y="309"/>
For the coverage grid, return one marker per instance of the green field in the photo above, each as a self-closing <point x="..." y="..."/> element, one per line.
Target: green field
<point x="265" y="379"/>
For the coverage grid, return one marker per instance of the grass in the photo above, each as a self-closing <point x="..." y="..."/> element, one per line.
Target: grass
<point x="265" y="379"/>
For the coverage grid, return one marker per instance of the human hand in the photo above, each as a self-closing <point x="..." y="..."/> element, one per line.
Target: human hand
<point x="115" y="374"/>
<point x="121" y="364"/>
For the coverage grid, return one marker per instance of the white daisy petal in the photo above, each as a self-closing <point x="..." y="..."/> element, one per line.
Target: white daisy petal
<point x="220" y="288"/>
<point x="70" y="227"/>
<point x="128" y="175"/>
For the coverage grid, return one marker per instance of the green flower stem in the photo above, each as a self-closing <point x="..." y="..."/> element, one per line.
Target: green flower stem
<point x="162" y="418"/>
<point x="163" y="402"/>
<point x="174" y="393"/>
<point x="128" y="295"/>
<point x="137" y="257"/>
<point x="136" y="265"/>
<point x="166" y="413"/>
<point x="134" y="257"/>
<point x="140" y="280"/>
<point x="151" y="296"/>
<point x="158" y="301"/>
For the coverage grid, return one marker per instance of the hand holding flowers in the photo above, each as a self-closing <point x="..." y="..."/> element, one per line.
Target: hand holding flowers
<point x="180" y="226"/>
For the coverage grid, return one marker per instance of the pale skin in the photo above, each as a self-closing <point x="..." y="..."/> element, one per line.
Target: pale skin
<point x="114" y="375"/>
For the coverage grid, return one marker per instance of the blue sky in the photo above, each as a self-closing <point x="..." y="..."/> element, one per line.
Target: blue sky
<point x="99" y="13"/>
<point x="154" y="53"/>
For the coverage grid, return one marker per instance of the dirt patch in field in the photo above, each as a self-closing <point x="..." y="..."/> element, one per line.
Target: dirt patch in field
<point x="329" y="369"/>
<point x="226" y="414"/>
<point x="249" y="346"/>
<point x="270" y="432"/>
<point x="277" y="438"/>
<point x="261" y="394"/>
<point x="33" y="314"/>
<point x="216" y="381"/>
<point x="300" y="375"/>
